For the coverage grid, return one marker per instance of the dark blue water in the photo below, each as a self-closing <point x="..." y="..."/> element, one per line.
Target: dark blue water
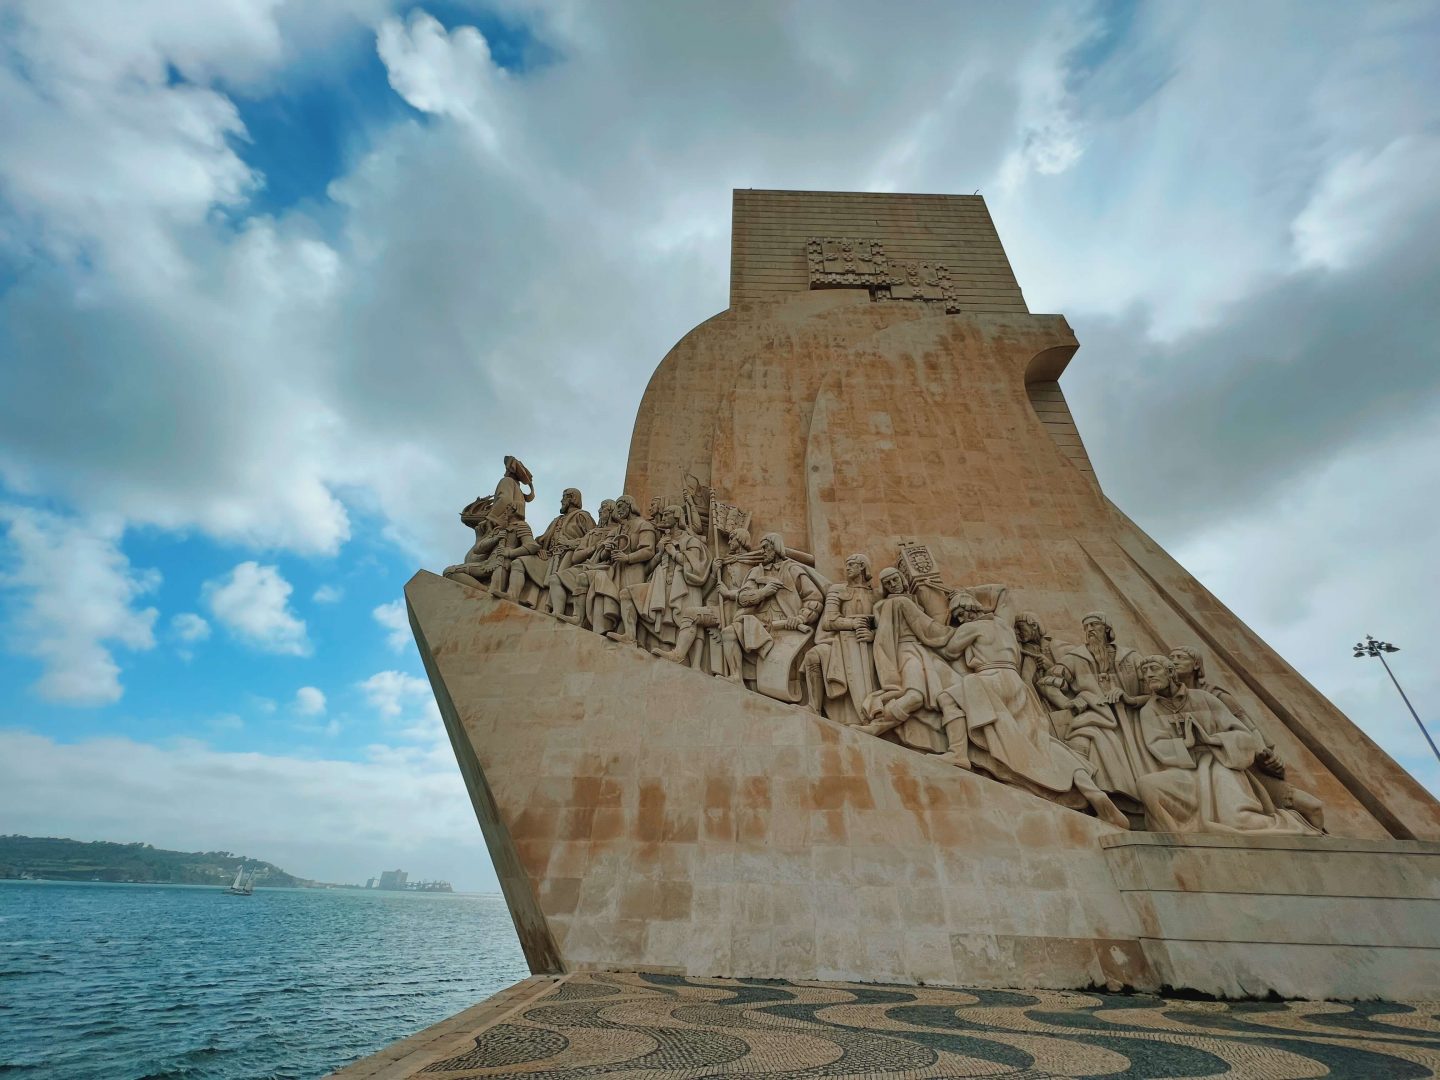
<point x="131" y="981"/>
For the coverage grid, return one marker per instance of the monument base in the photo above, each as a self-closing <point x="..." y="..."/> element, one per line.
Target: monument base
<point x="643" y="816"/>
<point x="1298" y="916"/>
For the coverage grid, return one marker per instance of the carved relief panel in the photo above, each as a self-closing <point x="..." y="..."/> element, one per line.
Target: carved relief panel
<point x="839" y="262"/>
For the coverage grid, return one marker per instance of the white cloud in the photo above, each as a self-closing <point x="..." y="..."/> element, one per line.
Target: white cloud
<point x="445" y="73"/>
<point x="189" y="627"/>
<point x="253" y="603"/>
<point x="77" y="594"/>
<point x="1364" y="199"/>
<point x="309" y="701"/>
<point x="391" y="692"/>
<point x="327" y="819"/>
<point x="328" y="594"/>
<point x="393" y="618"/>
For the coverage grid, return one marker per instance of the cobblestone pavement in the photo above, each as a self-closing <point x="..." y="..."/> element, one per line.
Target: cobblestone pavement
<point x="662" y="1026"/>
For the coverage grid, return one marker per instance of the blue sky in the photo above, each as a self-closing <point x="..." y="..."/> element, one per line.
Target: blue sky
<point x="279" y="287"/>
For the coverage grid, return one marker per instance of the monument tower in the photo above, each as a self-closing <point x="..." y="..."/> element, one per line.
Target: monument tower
<point x="865" y="678"/>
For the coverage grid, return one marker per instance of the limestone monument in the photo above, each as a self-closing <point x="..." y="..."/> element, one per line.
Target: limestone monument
<point x="774" y="726"/>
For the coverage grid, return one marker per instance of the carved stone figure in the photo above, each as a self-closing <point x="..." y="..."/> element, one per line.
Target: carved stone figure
<point x="475" y="516"/>
<point x="779" y="603"/>
<point x="1196" y="775"/>
<point x="840" y="669"/>
<point x="729" y="573"/>
<point x="671" y="597"/>
<point x="488" y="564"/>
<point x="1038" y="665"/>
<point x="572" y="574"/>
<point x="509" y="499"/>
<point x="994" y="721"/>
<point x="561" y="537"/>
<point x="910" y="672"/>
<point x="1105" y="678"/>
<point x="622" y="558"/>
<point x="1269" y="769"/>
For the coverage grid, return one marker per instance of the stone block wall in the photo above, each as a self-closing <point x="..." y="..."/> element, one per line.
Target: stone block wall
<point x="1300" y="916"/>
<point x="643" y="815"/>
<point x="769" y="231"/>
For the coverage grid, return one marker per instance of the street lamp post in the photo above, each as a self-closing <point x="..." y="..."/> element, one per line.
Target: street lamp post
<point x="1371" y="647"/>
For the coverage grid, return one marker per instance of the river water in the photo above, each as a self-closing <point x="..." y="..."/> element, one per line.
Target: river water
<point x="148" y="981"/>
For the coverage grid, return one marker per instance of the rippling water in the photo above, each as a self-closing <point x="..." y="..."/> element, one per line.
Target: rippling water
<point x="132" y="981"/>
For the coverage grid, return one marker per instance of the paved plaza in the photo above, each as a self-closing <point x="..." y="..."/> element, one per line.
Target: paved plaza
<point x="663" y="1026"/>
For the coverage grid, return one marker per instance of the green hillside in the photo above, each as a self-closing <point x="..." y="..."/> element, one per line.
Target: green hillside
<point x="75" y="860"/>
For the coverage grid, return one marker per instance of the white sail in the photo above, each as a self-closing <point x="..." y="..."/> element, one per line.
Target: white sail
<point x="239" y="874"/>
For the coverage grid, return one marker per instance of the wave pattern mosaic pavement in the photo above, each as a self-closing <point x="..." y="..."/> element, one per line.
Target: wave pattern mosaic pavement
<point x="662" y="1026"/>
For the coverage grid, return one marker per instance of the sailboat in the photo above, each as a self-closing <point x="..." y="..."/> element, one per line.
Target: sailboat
<point x="243" y="885"/>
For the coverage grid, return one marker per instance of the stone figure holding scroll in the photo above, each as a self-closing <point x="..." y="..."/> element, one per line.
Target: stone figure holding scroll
<point x="561" y="537"/>
<point x="840" y="668"/>
<point x="1196" y="776"/>
<point x="779" y="604"/>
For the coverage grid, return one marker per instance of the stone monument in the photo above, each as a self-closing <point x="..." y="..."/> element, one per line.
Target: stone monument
<point x="879" y="686"/>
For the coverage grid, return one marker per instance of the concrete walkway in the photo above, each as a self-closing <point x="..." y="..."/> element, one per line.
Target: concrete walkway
<point x="662" y="1026"/>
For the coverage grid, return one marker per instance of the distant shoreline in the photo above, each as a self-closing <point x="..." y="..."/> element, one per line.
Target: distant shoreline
<point x="205" y="887"/>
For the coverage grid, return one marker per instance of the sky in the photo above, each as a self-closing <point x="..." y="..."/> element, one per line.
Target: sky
<point x="281" y="282"/>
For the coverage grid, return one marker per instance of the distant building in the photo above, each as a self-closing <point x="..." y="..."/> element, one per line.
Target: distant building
<point x="370" y="883"/>
<point x="393" y="879"/>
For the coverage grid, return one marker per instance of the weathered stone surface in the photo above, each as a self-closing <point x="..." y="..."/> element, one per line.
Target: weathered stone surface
<point x="1300" y="916"/>
<point x="644" y="815"/>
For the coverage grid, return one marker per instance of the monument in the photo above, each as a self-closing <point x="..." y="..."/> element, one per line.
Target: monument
<point x="862" y="677"/>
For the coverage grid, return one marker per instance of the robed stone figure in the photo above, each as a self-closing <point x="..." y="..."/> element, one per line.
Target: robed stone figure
<point x="618" y="563"/>
<point x="669" y="599"/>
<point x="1102" y="728"/>
<point x="994" y="721"/>
<point x="840" y="668"/>
<point x="562" y="537"/>
<point x="910" y="669"/>
<point x="778" y="605"/>
<point x="1198" y="755"/>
